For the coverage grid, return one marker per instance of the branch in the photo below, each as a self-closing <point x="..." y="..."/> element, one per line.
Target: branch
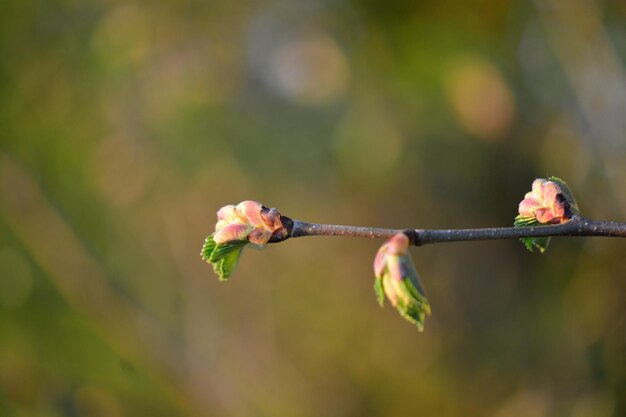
<point x="549" y="209"/>
<point x="577" y="226"/>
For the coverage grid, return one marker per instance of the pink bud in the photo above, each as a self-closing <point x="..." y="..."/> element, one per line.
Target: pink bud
<point x="232" y="232"/>
<point x="397" y="279"/>
<point x="545" y="203"/>
<point x="398" y="245"/>
<point x="247" y="221"/>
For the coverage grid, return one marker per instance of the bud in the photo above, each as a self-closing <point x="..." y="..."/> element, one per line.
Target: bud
<point x="397" y="278"/>
<point x="249" y="223"/>
<point x="549" y="202"/>
<point x="545" y="202"/>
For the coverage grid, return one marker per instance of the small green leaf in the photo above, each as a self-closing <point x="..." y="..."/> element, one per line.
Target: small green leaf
<point x="540" y="243"/>
<point x="223" y="257"/>
<point x="208" y="248"/>
<point x="525" y="221"/>
<point x="380" y="292"/>
<point x="532" y="243"/>
<point x="225" y="266"/>
<point x="223" y="249"/>
<point x="416" y="309"/>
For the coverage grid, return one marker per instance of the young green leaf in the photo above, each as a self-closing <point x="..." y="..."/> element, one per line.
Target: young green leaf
<point x="380" y="291"/>
<point x="531" y="243"/>
<point x="223" y="257"/>
<point x="416" y="308"/>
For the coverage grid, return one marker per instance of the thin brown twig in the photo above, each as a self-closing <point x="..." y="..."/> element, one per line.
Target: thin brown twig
<point x="577" y="226"/>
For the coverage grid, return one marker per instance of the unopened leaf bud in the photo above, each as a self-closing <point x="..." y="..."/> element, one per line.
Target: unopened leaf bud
<point x="397" y="279"/>
<point x="249" y="223"/>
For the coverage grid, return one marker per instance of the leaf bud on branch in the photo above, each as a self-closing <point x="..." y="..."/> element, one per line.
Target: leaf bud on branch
<point x="549" y="209"/>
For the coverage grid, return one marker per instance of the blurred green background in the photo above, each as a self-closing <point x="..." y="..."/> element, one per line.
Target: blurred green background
<point x="124" y="126"/>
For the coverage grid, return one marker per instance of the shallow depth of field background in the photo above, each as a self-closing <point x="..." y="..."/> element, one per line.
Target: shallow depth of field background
<point x="124" y="126"/>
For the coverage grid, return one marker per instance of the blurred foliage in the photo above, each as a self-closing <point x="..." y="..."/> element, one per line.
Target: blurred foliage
<point x="125" y="125"/>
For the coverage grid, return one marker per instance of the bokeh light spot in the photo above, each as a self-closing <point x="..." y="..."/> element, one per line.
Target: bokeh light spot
<point x="201" y="74"/>
<point x="311" y="69"/>
<point x="367" y="145"/>
<point x="123" y="38"/>
<point x="480" y="97"/>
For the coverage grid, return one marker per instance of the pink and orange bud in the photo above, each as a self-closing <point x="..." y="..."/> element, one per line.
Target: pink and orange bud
<point x="247" y="224"/>
<point x="247" y="221"/>
<point x="397" y="278"/>
<point x="545" y="202"/>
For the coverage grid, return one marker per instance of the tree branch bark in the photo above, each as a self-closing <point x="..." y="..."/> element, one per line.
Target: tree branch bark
<point x="577" y="226"/>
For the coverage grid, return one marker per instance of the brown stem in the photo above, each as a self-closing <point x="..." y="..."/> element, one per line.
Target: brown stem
<point x="577" y="226"/>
